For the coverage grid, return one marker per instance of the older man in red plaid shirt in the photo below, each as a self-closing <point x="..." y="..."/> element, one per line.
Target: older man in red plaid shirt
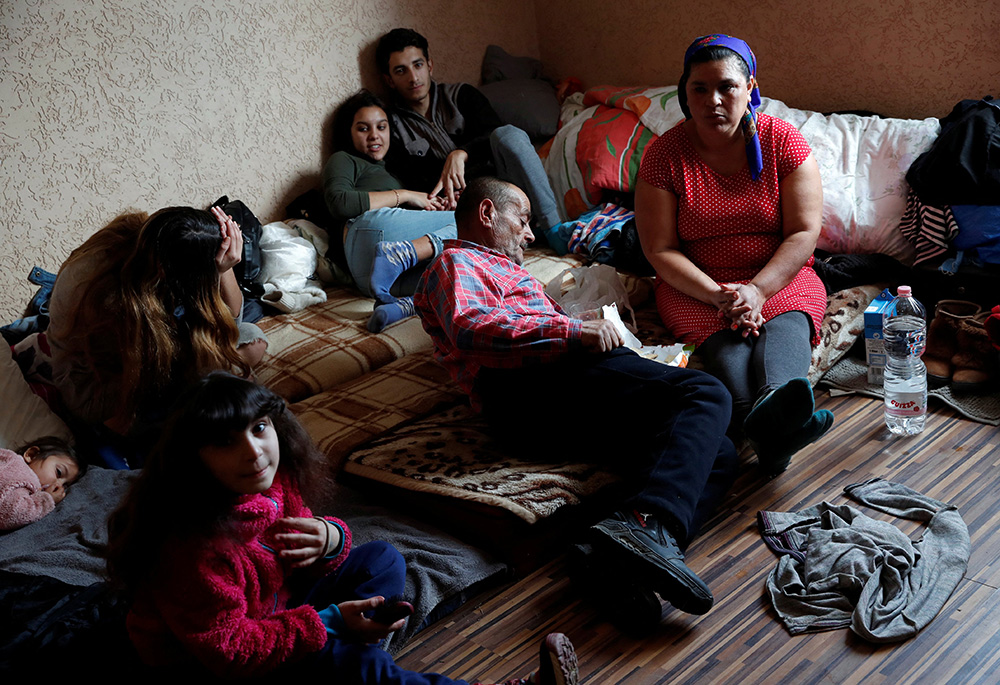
<point x="523" y="361"/>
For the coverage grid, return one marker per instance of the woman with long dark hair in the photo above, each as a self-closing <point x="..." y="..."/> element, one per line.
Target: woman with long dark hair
<point x="145" y="306"/>
<point x="384" y="238"/>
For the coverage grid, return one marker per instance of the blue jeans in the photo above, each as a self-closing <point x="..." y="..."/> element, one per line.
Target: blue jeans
<point x="37" y="318"/>
<point x="373" y="569"/>
<point x="364" y="232"/>
<point x="518" y="163"/>
<point x="663" y="426"/>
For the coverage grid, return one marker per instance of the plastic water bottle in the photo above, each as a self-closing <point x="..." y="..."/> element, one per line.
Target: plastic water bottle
<point x="904" y="332"/>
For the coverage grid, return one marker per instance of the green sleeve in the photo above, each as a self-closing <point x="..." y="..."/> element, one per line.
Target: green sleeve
<point x="341" y="191"/>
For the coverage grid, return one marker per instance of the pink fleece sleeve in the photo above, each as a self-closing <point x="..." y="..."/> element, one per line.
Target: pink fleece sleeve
<point x="22" y="500"/>
<point x="332" y="563"/>
<point x="205" y="607"/>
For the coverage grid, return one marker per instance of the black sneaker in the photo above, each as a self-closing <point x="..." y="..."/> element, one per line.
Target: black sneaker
<point x="652" y="552"/>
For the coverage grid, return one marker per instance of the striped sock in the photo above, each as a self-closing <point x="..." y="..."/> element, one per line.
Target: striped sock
<point x="386" y="314"/>
<point x="390" y="261"/>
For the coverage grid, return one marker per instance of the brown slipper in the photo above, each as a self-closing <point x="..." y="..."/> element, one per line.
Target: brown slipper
<point x="942" y="337"/>
<point x="975" y="361"/>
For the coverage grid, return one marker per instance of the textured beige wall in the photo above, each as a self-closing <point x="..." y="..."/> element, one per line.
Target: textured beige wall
<point x="903" y="58"/>
<point x="111" y="104"/>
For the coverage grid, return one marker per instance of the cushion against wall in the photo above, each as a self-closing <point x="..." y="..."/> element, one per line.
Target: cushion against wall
<point x="529" y="104"/>
<point x="863" y="163"/>
<point x="24" y="415"/>
<point x="499" y="65"/>
<point x="515" y="88"/>
<point x="603" y="135"/>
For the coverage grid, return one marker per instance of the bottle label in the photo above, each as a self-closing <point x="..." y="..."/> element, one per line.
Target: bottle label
<point x="906" y="404"/>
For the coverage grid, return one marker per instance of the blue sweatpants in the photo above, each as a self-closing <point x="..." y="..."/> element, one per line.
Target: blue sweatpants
<point x="372" y="569"/>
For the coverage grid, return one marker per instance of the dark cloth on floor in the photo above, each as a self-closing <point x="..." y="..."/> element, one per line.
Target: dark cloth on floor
<point x="841" y="271"/>
<point x="69" y="629"/>
<point x="840" y="568"/>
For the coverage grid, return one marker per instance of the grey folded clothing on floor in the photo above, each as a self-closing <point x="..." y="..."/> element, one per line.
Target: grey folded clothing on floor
<point x="840" y="568"/>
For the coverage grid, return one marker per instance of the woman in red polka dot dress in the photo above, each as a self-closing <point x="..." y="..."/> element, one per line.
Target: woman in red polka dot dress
<point x="728" y="209"/>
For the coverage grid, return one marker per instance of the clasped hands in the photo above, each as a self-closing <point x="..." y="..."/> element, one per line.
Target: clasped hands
<point x="741" y="304"/>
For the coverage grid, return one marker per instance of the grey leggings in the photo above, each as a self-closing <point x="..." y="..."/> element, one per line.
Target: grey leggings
<point x="751" y="367"/>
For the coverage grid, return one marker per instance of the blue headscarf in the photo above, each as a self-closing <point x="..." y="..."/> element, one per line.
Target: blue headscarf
<point x="749" y="121"/>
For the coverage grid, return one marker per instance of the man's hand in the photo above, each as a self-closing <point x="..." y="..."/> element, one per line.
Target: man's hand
<point x="600" y="335"/>
<point x="452" y="179"/>
<point x="303" y="540"/>
<point x="367" y="630"/>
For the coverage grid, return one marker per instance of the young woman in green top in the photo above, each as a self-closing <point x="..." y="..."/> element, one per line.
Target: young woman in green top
<point x="390" y="233"/>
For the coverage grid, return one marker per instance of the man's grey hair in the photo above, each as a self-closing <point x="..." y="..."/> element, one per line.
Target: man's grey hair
<point x="501" y="193"/>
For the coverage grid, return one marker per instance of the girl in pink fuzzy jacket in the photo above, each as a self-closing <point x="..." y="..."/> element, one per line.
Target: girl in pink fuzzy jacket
<point x="33" y="480"/>
<point x="227" y="566"/>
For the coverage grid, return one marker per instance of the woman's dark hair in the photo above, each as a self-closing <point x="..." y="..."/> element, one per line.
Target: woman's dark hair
<point x="397" y="40"/>
<point x="712" y="53"/>
<point x="156" y="284"/>
<point x="177" y="496"/>
<point x="343" y="120"/>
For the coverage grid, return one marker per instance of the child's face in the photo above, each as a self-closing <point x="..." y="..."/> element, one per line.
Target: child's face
<point x="245" y="461"/>
<point x="54" y="472"/>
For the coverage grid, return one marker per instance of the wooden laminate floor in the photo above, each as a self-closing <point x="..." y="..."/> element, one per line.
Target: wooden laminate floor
<point x="740" y="640"/>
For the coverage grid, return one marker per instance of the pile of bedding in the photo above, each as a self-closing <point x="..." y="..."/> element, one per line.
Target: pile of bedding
<point x="863" y="160"/>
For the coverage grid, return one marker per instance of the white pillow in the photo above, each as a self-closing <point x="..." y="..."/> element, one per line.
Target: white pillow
<point x="24" y="416"/>
<point x="863" y="163"/>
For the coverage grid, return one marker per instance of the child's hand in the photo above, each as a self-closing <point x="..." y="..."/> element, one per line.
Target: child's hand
<point x="367" y="630"/>
<point x="304" y="540"/>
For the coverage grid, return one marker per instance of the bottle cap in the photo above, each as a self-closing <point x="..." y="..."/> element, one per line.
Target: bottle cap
<point x="904" y="291"/>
